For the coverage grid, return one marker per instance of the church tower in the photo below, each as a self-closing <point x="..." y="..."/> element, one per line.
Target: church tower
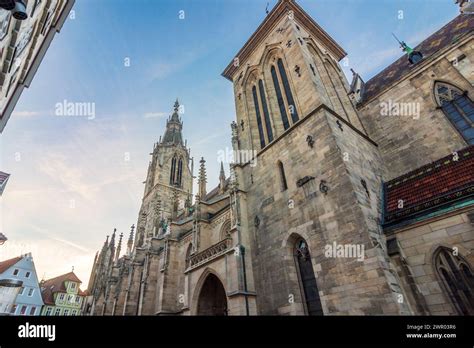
<point x="169" y="182"/>
<point x="309" y="175"/>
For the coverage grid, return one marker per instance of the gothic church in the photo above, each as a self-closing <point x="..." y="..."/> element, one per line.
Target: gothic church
<point x="333" y="170"/>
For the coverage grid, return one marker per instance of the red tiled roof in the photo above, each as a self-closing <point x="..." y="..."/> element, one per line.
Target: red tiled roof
<point x="4" y="265"/>
<point x="431" y="186"/>
<point x="84" y="293"/>
<point x="447" y="35"/>
<point x="51" y="286"/>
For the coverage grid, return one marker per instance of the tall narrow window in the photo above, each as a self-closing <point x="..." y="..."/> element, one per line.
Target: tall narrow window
<point x="283" y="184"/>
<point x="173" y="171"/>
<point x="307" y="278"/>
<point x="188" y="254"/>
<point x="458" y="108"/>
<point x="289" y="95"/>
<point x="259" y="119"/>
<point x="281" y="102"/>
<point x="266" y="114"/>
<point x="456" y="275"/>
<point x="180" y="172"/>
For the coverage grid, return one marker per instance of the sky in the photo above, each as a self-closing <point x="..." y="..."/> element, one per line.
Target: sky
<point x="75" y="179"/>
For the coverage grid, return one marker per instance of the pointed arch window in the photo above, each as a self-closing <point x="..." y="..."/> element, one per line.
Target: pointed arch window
<point x="173" y="171"/>
<point x="458" y="108"/>
<point x="283" y="183"/>
<point x="456" y="275"/>
<point x="180" y="172"/>
<point x="289" y="95"/>
<point x="189" y="250"/>
<point x="307" y="278"/>
<point x="266" y="114"/>
<point x="259" y="118"/>
<point x="281" y="102"/>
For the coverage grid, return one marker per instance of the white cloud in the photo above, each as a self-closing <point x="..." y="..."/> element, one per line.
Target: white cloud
<point x="25" y="113"/>
<point x="155" y="114"/>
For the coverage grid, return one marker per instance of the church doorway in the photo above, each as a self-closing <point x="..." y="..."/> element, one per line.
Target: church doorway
<point x="307" y="278"/>
<point x="212" y="298"/>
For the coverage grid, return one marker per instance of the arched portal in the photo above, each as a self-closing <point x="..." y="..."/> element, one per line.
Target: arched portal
<point x="307" y="278"/>
<point x="212" y="297"/>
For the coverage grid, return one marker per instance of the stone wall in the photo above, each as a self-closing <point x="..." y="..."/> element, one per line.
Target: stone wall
<point x="346" y="286"/>
<point x="419" y="242"/>
<point x="408" y="142"/>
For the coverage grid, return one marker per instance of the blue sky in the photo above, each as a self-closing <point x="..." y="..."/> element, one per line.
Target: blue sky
<point x="74" y="179"/>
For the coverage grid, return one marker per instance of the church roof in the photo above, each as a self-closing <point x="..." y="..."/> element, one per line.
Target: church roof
<point x="444" y="37"/>
<point x="272" y="19"/>
<point x="174" y="126"/>
<point x="172" y="136"/>
<point x="430" y="187"/>
<point x="215" y="191"/>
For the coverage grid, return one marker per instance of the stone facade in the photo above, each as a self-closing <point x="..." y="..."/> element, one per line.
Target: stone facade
<point x="312" y="157"/>
<point x="23" y="44"/>
<point x="408" y="142"/>
<point x="417" y="245"/>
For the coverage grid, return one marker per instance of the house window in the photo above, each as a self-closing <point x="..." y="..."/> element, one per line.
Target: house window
<point x="57" y="311"/>
<point x="35" y="5"/>
<point x="456" y="275"/>
<point x="23" y="42"/>
<point x="61" y="297"/>
<point x="49" y="17"/>
<point x="266" y="114"/>
<point x="283" y="183"/>
<point x="73" y="286"/>
<point x="78" y="299"/>
<point x="286" y="87"/>
<point x="458" y="108"/>
<point x="66" y="312"/>
<point x="281" y="102"/>
<point x="16" y="271"/>
<point x="33" y="310"/>
<point x="13" y="309"/>
<point x="23" y="310"/>
<point x="307" y="278"/>
<point x="22" y="290"/>
<point x="70" y="298"/>
<point x="31" y="291"/>
<point x="48" y="311"/>
<point x="4" y="23"/>
<point x="27" y="275"/>
<point x="74" y="312"/>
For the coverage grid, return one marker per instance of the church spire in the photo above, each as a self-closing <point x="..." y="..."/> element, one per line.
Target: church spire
<point x="413" y="56"/>
<point x="130" y="241"/>
<point x="119" y="248"/>
<point x="222" y="178"/>
<point x="106" y="243"/>
<point x="202" y="178"/>
<point x="112" y="240"/>
<point x="174" y="126"/>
